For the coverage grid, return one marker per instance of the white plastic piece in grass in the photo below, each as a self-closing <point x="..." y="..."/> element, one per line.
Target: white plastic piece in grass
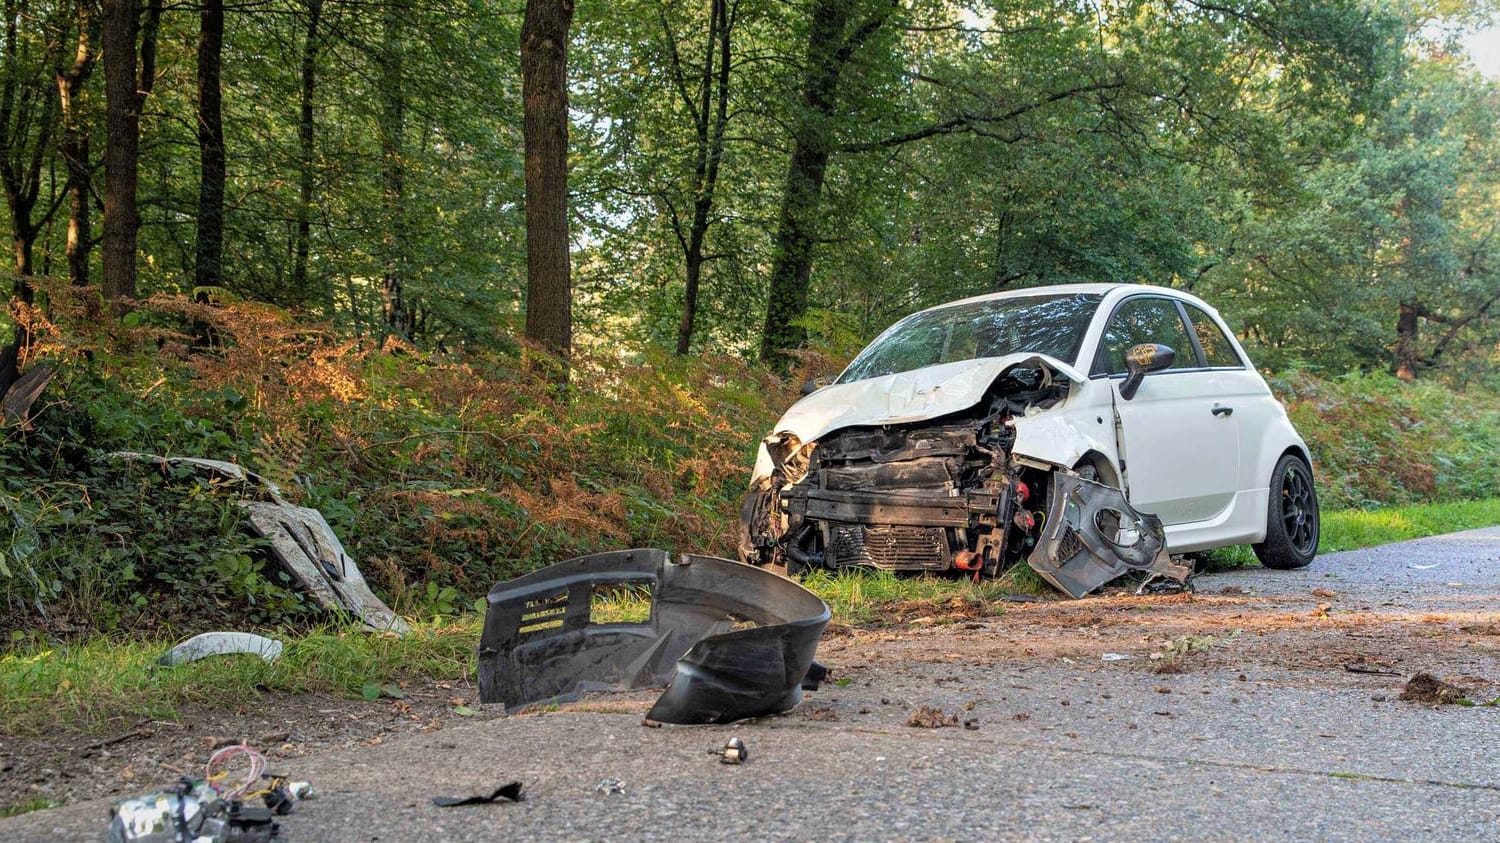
<point x="221" y="644"/>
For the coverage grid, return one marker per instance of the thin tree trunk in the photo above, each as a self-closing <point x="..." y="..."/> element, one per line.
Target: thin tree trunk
<point x="393" y="175"/>
<point x="305" y="148"/>
<point x="122" y="106"/>
<point x="714" y="88"/>
<point x="209" y="266"/>
<point x="828" y="51"/>
<point x="74" y="146"/>
<point x="1407" y="325"/>
<point x="28" y="116"/>
<point x="544" y="92"/>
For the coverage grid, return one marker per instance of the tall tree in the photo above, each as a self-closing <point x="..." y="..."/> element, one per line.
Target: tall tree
<point x="544" y="93"/>
<point x="306" y="128"/>
<point x="28" y="118"/>
<point x="124" y="95"/>
<point x="397" y="309"/>
<point x="710" y="117"/>
<point x="209" y="266"/>
<point x="73" y="146"/>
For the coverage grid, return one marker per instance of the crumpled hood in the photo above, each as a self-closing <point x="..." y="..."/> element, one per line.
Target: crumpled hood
<point x="917" y="395"/>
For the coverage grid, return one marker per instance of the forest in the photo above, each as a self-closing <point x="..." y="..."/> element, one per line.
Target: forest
<point x="495" y="281"/>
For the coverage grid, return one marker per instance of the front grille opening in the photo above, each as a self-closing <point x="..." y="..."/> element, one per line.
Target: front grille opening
<point x="888" y="547"/>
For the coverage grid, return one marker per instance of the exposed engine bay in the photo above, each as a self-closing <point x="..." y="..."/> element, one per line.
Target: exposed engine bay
<point x="949" y="494"/>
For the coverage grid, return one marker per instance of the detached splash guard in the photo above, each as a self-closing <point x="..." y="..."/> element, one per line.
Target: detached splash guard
<point x="728" y="640"/>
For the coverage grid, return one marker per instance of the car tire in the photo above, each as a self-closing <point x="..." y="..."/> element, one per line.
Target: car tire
<point x="1292" y="524"/>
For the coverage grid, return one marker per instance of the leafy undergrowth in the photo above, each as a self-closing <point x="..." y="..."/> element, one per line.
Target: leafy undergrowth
<point x="1378" y="442"/>
<point x="442" y="473"/>
<point x="446" y="472"/>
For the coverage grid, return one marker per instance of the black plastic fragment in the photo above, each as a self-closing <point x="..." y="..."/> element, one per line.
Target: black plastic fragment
<point x="729" y="640"/>
<point x="509" y="792"/>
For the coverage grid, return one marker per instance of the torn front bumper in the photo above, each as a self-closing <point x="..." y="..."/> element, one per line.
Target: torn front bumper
<point x="1093" y="535"/>
<point x="729" y="640"/>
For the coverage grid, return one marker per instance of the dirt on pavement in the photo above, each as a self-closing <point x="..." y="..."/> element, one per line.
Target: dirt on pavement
<point x="1308" y="638"/>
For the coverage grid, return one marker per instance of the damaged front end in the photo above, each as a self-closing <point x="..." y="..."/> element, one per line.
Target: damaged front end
<point x="949" y="493"/>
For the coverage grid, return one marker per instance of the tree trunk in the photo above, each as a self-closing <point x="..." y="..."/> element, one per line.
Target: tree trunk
<point x="305" y="148"/>
<point x="122" y="119"/>
<point x="209" y="266"/>
<point x="828" y="51"/>
<point x="714" y="88"/>
<point x="544" y="92"/>
<point x="1406" y="340"/>
<point x="393" y="175"/>
<point x="28" y="116"/>
<point x="73" y="147"/>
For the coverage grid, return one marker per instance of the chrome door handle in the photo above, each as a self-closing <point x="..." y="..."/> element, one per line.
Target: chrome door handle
<point x="1222" y="411"/>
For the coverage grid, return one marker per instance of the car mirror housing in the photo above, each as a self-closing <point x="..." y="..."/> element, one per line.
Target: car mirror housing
<point x="1140" y="361"/>
<point x="813" y="385"/>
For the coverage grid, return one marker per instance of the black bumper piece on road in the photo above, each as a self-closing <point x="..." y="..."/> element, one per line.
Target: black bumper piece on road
<point x="729" y="640"/>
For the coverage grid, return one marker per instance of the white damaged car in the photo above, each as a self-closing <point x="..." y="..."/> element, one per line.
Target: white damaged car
<point x="1088" y="429"/>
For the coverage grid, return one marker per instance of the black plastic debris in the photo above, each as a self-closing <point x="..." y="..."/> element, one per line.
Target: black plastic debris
<point x="730" y="641"/>
<point x="509" y="792"/>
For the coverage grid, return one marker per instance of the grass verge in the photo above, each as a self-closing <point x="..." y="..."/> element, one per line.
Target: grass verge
<point x="1351" y="529"/>
<point x="91" y="684"/>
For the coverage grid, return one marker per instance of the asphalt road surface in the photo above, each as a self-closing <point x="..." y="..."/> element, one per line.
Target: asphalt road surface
<point x="1257" y="720"/>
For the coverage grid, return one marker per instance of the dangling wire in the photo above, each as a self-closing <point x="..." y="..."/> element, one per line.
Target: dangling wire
<point x="219" y="776"/>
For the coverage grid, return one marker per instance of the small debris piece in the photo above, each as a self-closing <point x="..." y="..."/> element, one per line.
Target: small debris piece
<point x="509" y="792"/>
<point x="1426" y="688"/>
<point x="1361" y="665"/>
<point x="608" y="787"/>
<point x="219" y="644"/>
<point x="1322" y="610"/>
<point x="928" y="717"/>
<point x="734" y="752"/>
<point x="826" y="714"/>
<point x="1022" y="717"/>
<point x="1116" y="657"/>
<point x="1324" y="593"/>
<point x="972" y="724"/>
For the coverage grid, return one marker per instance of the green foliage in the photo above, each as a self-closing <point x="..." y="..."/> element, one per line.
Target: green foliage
<point x="1377" y="441"/>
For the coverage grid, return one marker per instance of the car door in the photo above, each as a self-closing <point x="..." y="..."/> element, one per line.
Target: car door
<point x="1179" y="442"/>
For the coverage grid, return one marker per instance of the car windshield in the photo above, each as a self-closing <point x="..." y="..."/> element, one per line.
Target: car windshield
<point x="1047" y="324"/>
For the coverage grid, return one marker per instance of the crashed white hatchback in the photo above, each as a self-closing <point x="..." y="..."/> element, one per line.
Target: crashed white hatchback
<point x="1087" y="429"/>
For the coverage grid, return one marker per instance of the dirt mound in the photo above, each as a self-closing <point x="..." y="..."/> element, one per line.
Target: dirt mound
<point x="1426" y="688"/>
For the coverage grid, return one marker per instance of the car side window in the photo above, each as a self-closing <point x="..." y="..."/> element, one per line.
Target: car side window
<point x="1218" y="351"/>
<point x="1143" y="320"/>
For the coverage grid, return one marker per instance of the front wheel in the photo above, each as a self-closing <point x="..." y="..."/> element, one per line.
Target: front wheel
<point x="1291" y="517"/>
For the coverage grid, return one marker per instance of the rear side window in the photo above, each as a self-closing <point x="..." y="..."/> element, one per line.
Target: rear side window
<point x="1218" y="351"/>
<point x="1144" y="320"/>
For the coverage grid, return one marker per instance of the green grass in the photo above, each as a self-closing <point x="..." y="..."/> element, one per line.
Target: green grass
<point x="1351" y="529"/>
<point x="1355" y="528"/>
<point x="90" y="684"/>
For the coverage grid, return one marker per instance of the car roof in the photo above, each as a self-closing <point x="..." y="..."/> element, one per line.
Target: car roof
<point x="1074" y="289"/>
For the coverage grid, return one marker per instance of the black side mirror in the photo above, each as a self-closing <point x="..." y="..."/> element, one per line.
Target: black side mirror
<point x="813" y="385"/>
<point x="1142" y="360"/>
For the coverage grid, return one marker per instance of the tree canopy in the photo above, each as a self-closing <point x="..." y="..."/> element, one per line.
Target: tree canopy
<point x="749" y="177"/>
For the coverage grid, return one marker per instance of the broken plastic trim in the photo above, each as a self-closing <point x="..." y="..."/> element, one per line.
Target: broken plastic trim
<point x="220" y="644"/>
<point x="1080" y="550"/>
<point x="541" y="643"/>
